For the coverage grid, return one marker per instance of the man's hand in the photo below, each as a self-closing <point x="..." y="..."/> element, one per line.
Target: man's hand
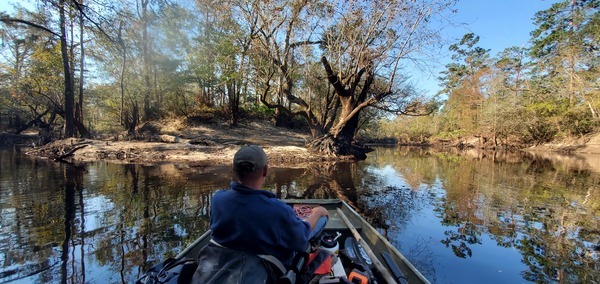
<point x="320" y="211"/>
<point x="316" y="213"/>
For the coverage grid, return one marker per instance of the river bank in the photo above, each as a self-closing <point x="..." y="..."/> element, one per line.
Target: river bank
<point x="175" y="142"/>
<point x="215" y="143"/>
<point x="588" y="144"/>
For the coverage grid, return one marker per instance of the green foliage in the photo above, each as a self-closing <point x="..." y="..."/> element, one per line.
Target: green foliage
<point x="404" y="129"/>
<point x="548" y="108"/>
<point x="540" y="122"/>
<point x="261" y="111"/>
<point x="445" y="135"/>
<point x="469" y="59"/>
<point x="549" y="118"/>
<point x="579" y="121"/>
<point x="463" y="82"/>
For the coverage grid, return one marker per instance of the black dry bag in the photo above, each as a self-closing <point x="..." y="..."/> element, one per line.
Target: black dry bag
<point x="172" y="271"/>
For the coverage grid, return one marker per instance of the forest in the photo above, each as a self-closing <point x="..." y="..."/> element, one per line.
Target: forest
<point x="339" y="70"/>
<point x="528" y="95"/>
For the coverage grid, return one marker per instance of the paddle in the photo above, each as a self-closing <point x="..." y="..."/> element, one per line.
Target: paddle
<point x="356" y="252"/>
<point x="384" y="272"/>
<point x="358" y="255"/>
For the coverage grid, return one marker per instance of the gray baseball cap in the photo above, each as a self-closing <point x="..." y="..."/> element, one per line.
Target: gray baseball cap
<point x="251" y="154"/>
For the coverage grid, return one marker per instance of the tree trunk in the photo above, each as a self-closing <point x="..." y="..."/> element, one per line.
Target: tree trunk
<point x="340" y="147"/>
<point x="122" y="75"/>
<point x="131" y="121"/>
<point x="234" y="102"/>
<point x="146" y="60"/>
<point x="69" y="94"/>
<point x="495" y="141"/>
<point x="81" y="69"/>
<point x="592" y="110"/>
<point x="78" y="120"/>
<point x="340" y="140"/>
<point x="79" y="123"/>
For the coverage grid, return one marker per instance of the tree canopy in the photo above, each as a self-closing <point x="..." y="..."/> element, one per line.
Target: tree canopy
<point x="315" y="63"/>
<point x="523" y="95"/>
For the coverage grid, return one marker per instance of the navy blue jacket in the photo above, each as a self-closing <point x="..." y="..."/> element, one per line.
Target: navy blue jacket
<point x="256" y="221"/>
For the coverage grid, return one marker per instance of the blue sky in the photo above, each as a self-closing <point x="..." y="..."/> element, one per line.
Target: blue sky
<point x="498" y="23"/>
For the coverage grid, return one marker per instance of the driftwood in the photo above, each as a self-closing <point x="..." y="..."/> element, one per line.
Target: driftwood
<point x="62" y="157"/>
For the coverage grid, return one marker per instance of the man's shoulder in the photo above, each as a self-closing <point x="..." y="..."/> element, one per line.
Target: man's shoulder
<point x="282" y="207"/>
<point x="221" y="191"/>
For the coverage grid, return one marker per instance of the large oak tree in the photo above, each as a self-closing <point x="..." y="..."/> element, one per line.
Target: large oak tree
<point x="361" y="46"/>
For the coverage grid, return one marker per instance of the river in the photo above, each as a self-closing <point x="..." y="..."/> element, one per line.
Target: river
<point x="463" y="217"/>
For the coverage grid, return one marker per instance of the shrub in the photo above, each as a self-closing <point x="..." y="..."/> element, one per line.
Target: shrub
<point x="578" y="121"/>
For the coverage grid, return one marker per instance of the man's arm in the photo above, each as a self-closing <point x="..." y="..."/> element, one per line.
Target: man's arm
<point x="316" y="213"/>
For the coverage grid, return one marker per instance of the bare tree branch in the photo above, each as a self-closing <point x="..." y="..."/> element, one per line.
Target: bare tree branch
<point x="333" y="78"/>
<point x="10" y="20"/>
<point x="305" y="42"/>
<point x="80" y="7"/>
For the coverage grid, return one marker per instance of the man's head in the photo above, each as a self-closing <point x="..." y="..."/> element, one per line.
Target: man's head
<point x="250" y="164"/>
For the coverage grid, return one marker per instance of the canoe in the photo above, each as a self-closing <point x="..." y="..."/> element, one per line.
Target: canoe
<point x="377" y="245"/>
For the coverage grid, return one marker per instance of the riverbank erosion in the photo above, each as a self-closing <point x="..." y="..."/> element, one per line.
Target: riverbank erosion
<point x="587" y="144"/>
<point x="210" y="144"/>
<point x="155" y="152"/>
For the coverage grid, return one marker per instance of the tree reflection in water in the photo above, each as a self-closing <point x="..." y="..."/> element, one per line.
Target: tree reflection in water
<point x="389" y="209"/>
<point x="73" y="181"/>
<point x="452" y="214"/>
<point x="543" y="208"/>
<point x="107" y="223"/>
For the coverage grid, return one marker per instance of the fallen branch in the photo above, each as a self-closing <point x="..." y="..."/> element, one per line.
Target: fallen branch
<point x="62" y="157"/>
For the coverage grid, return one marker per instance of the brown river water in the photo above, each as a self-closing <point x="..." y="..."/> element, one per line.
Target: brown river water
<point x="462" y="217"/>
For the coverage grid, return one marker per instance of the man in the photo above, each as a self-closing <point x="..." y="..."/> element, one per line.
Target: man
<point x="253" y="220"/>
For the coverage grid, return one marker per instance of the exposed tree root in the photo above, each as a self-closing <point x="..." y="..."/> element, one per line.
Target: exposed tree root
<point x="341" y="148"/>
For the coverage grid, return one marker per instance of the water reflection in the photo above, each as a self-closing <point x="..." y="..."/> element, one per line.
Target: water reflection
<point x="97" y="223"/>
<point x="506" y="217"/>
<point x="459" y="217"/>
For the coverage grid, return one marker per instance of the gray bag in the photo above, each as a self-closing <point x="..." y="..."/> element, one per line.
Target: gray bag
<point x="222" y="265"/>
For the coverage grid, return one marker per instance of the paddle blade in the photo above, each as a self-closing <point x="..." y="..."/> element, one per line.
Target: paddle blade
<point x="356" y="253"/>
<point x="350" y="250"/>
